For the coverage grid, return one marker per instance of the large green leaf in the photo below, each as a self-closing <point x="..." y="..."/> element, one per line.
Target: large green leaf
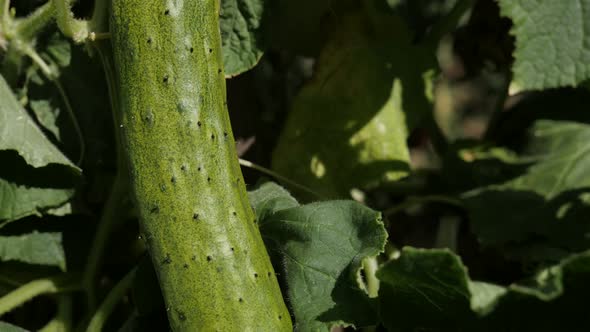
<point x="18" y="201"/>
<point x="552" y="42"/>
<point x="548" y="203"/>
<point x="241" y="34"/>
<point x="34" y="248"/>
<point x="431" y="290"/>
<point x="348" y="126"/>
<point x="19" y="132"/>
<point x="318" y="249"/>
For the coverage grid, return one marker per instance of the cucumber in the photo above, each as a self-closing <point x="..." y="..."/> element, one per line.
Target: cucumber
<point x="213" y="268"/>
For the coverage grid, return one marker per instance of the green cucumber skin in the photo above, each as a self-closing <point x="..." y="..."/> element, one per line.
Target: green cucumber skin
<point x="212" y="265"/>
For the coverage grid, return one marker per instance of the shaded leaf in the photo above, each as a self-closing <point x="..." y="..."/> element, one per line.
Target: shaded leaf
<point x="34" y="248"/>
<point x="430" y="289"/>
<point x="302" y="27"/>
<point x="552" y="42"/>
<point x="540" y="105"/>
<point x="58" y="50"/>
<point x="553" y="300"/>
<point x="348" y="126"/>
<point x="548" y="202"/>
<point x="18" y="132"/>
<point x="425" y="289"/>
<point x="241" y="35"/>
<point x="319" y="248"/>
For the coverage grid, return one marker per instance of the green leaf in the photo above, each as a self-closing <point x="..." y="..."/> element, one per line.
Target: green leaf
<point x="46" y="115"/>
<point x="38" y="182"/>
<point x="58" y="50"/>
<point x="20" y="133"/>
<point x="34" y="248"/>
<point x="348" y="126"/>
<point x="5" y="327"/>
<point x="241" y="35"/>
<point x="553" y="300"/>
<point x="18" y="201"/>
<point x="548" y="203"/>
<point x="484" y="296"/>
<point x="552" y="42"/>
<point x="424" y="290"/>
<point x="319" y="248"/>
<point x="269" y="198"/>
<point x="429" y="289"/>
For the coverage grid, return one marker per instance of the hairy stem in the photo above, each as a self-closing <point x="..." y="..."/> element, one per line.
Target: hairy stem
<point x="29" y="27"/>
<point x="74" y="28"/>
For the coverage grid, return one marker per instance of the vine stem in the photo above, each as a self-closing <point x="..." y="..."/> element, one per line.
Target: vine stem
<point x="278" y="176"/>
<point x="35" y="288"/>
<point x="109" y="303"/>
<point x="75" y="123"/>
